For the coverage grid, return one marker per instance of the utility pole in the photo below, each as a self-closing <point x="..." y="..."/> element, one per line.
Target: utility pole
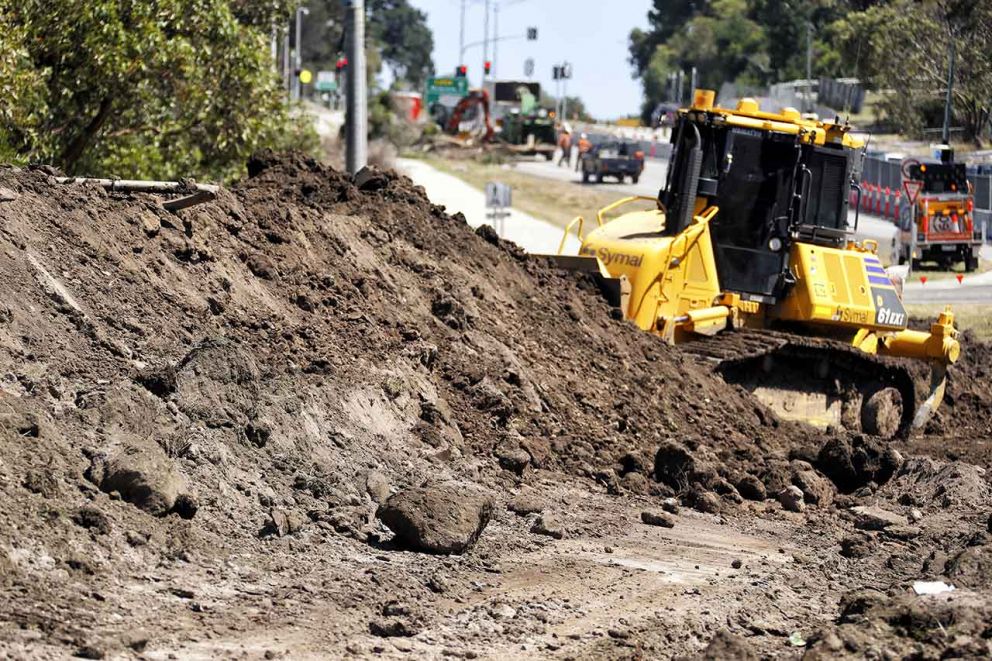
<point x="297" y="87"/>
<point x="495" y="38"/>
<point x="461" y="38"/>
<point x="809" y="67"/>
<point x="287" y="80"/>
<point x="274" y="47"/>
<point x="948" y="100"/>
<point x="692" y="86"/>
<point x="485" y="43"/>
<point x="566" y="70"/>
<point x="356" y="120"/>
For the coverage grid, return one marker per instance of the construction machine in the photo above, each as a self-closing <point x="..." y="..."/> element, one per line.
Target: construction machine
<point x="746" y="260"/>
<point x="939" y="225"/>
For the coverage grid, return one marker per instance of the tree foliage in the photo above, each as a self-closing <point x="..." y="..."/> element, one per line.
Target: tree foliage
<point x="903" y="49"/>
<point x="898" y="46"/>
<point x="397" y="36"/>
<point x="139" y="88"/>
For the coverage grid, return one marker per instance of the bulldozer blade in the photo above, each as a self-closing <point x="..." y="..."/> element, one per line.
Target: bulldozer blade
<point x="938" y="384"/>
<point x="616" y="291"/>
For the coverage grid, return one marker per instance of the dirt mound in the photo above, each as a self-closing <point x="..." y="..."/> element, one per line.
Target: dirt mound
<point x="962" y="427"/>
<point x="251" y="362"/>
<point x="906" y="626"/>
<point x="207" y="407"/>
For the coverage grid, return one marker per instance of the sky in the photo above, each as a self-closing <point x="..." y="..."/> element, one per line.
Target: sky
<point x="589" y="34"/>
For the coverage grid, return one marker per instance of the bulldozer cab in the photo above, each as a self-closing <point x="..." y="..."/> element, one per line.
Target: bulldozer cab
<point x="773" y="188"/>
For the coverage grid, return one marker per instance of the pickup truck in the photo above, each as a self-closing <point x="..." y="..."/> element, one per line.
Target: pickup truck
<point x="612" y="159"/>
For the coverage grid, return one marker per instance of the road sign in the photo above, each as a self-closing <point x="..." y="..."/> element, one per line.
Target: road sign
<point x="529" y="67"/>
<point x="498" y="199"/>
<point x="447" y="90"/>
<point x="326" y="81"/>
<point x="912" y="187"/>
<point x="498" y="195"/>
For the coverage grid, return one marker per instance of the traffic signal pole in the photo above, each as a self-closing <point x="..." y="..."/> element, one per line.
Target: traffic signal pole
<point x="356" y="120"/>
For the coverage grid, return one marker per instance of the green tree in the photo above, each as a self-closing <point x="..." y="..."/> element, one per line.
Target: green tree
<point x="156" y="88"/>
<point x="750" y="42"/>
<point x="903" y="48"/>
<point x="665" y="18"/>
<point x="397" y="36"/>
<point x="406" y="41"/>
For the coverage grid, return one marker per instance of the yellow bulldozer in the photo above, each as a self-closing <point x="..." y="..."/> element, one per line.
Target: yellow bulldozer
<point x="748" y="260"/>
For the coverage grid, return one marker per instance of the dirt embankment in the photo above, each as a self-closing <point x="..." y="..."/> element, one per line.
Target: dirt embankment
<point x="200" y="413"/>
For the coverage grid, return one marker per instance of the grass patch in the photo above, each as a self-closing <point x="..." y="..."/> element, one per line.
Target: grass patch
<point x="557" y="202"/>
<point x="976" y="318"/>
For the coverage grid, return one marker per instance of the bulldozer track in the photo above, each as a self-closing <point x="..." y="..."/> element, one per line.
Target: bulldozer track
<point x="738" y="352"/>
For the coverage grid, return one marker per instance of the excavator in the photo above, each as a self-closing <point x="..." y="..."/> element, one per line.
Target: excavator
<point x="746" y="260"/>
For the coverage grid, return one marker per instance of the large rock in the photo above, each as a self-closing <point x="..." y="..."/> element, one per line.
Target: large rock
<point x="442" y="518"/>
<point x="725" y="645"/>
<point x="817" y="490"/>
<point x="144" y="477"/>
<point x="791" y="498"/>
<point x="876" y="518"/>
<point x="655" y="518"/>
<point x="751" y="488"/>
<point x="674" y="465"/>
<point x="853" y="463"/>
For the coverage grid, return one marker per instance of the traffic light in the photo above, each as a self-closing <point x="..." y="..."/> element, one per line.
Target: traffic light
<point x="487" y="66"/>
<point x="341" y="63"/>
<point x="461" y="71"/>
<point x="531" y="34"/>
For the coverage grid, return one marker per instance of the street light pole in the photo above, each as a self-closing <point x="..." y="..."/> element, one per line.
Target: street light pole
<point x="297" y="88"/>
<point x="356" y="120"/>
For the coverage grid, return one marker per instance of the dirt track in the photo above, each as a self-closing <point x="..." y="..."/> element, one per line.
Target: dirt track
<point x="267" y="365"/>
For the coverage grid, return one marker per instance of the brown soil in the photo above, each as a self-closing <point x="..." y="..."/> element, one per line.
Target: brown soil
<point x="962" y="428"/>
<point x="199" y="413"/>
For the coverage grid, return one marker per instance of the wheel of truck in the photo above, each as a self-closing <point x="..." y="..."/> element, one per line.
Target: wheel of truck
<point x="599" y="178"/>
<point x="634" y="178"/>
<point x="970" y="264"/>
<point x="585" y="177"/>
